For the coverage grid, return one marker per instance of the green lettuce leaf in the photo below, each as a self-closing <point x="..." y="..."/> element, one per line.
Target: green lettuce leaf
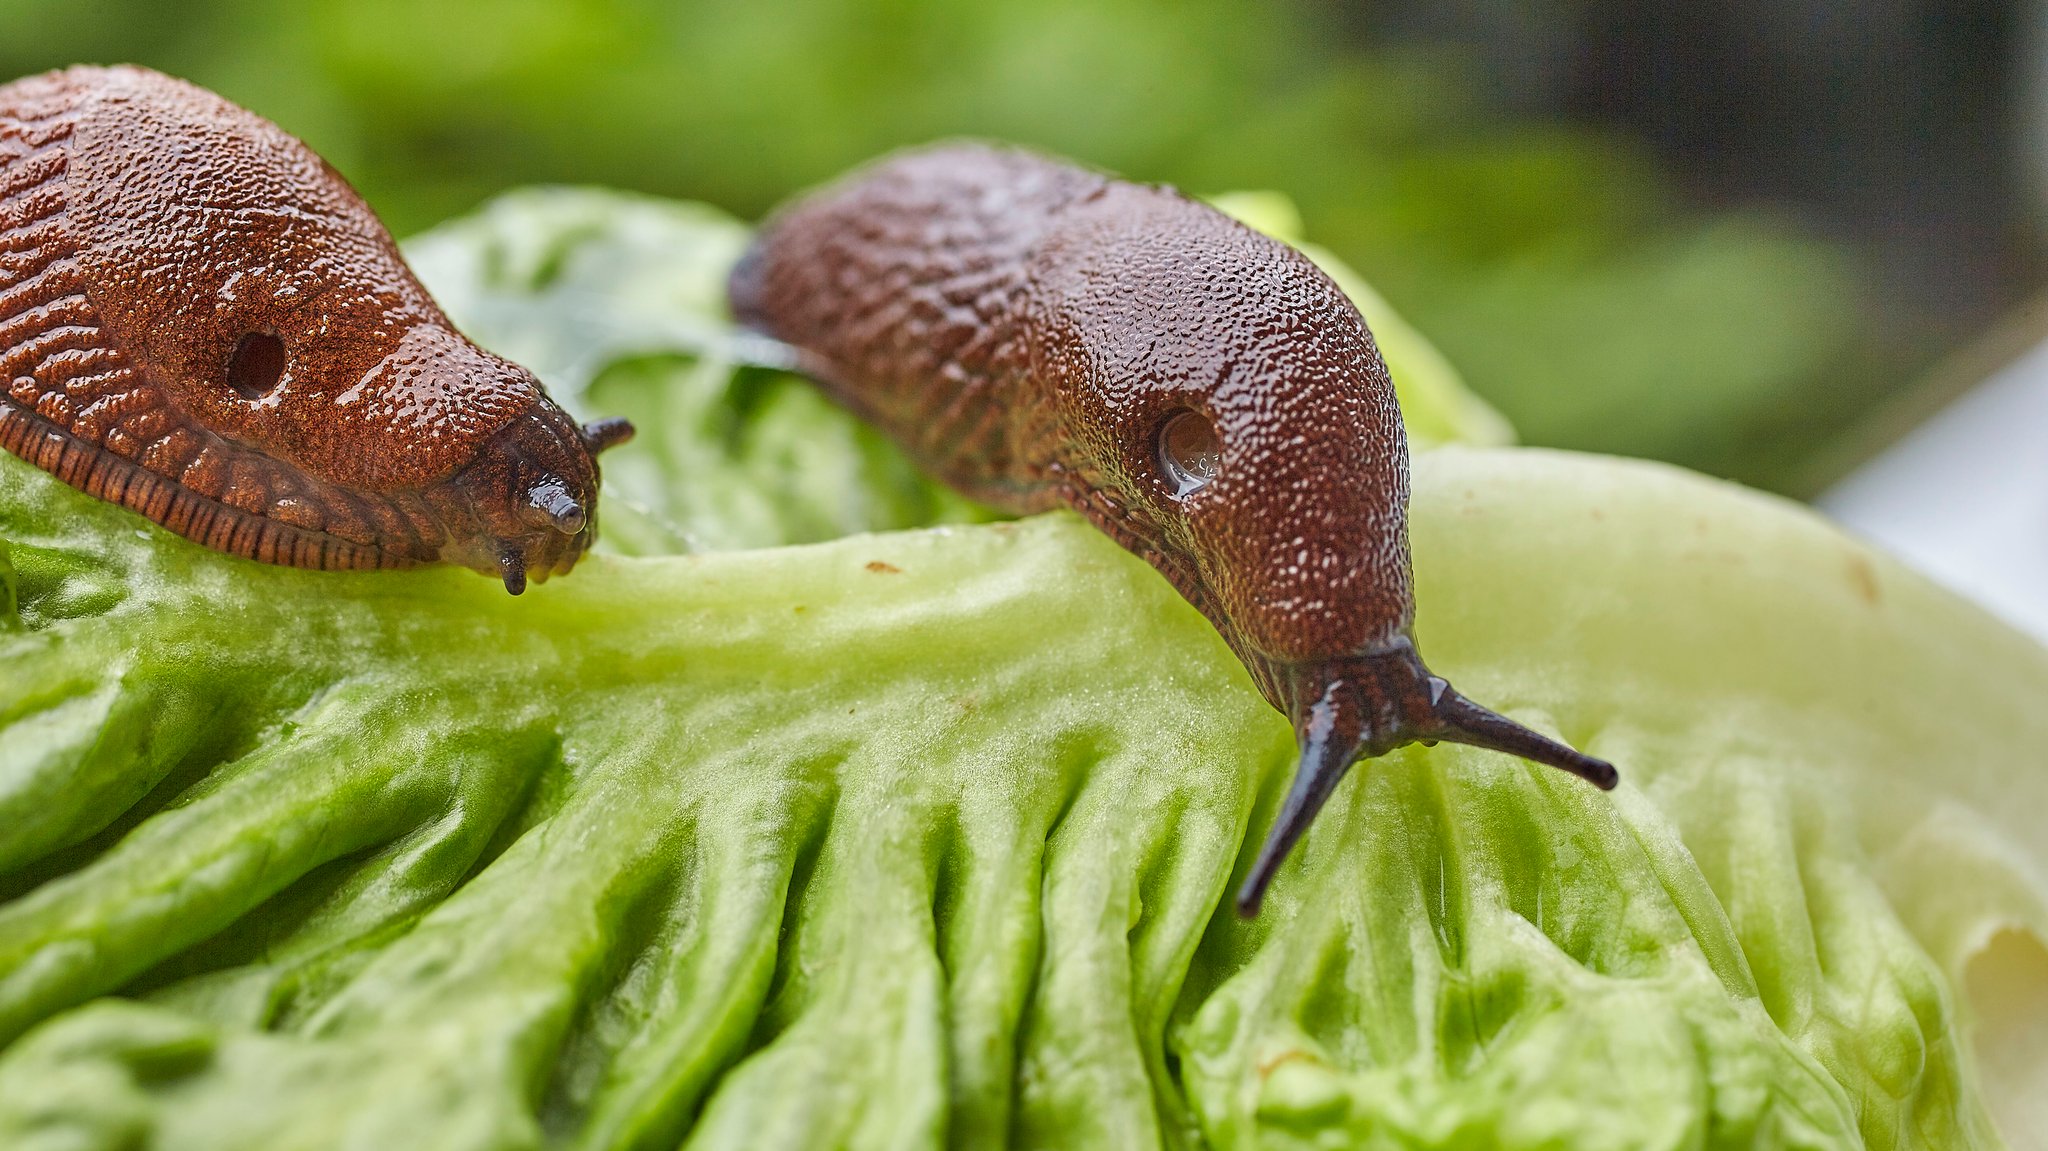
<point x="7" y="592"/>
<point x="921" y="838"/>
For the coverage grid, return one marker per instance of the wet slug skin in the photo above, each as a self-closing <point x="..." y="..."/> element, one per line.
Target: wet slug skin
<point x="1043" y="336"/>
<point x="199" y="319"/>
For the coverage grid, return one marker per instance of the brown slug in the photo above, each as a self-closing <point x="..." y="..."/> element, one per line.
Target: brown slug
<point x="199" y="319"/>
<point x="1042" y="336"/>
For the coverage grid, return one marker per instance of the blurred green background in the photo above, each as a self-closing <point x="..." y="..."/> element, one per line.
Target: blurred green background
<point x="1598" y="298"/>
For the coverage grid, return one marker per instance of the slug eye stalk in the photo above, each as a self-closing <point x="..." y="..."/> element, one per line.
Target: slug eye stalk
<point x="1363" y="707"/>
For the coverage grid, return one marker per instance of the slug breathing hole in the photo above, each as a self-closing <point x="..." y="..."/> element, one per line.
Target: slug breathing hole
<point x="256" y="366"/>
<point x="1190" y="454"/>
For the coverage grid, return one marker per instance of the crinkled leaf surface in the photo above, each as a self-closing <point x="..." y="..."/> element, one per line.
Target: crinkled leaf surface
<point x="921" y="838"/>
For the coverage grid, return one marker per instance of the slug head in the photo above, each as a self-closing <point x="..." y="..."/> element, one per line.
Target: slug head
<point x="523" y="504"/>
<point x="1229" y="418"/>
<point x="251" y="285"/>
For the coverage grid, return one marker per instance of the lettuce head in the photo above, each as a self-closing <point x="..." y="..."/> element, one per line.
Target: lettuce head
<point x="819" y="809"/>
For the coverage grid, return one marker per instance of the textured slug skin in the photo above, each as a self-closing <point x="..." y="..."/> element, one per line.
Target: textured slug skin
<point x="201" y="320"/>
<point x="1039" y="336"/>
<point x="1026" y="328"/>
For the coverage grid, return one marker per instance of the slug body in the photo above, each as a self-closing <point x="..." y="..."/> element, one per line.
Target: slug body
<point x="201" y="320"/>
<point x="1043" y="336"/>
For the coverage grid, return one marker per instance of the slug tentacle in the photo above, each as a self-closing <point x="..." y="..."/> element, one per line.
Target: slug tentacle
<point x="1462" y="721"/>
<point x="1357" y="708"/>
<point x="607" y="433"/>
<point x="551" y="505"/>
<point x="512" y="569"/>
<point x="201" y="321"/>
<point x="1328" y="749"/>
<point x="1043" y="336"/>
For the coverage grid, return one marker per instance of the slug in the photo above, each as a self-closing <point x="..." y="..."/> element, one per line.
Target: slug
<point x="200" y="320"/>
<point x="1042" y="336"/>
